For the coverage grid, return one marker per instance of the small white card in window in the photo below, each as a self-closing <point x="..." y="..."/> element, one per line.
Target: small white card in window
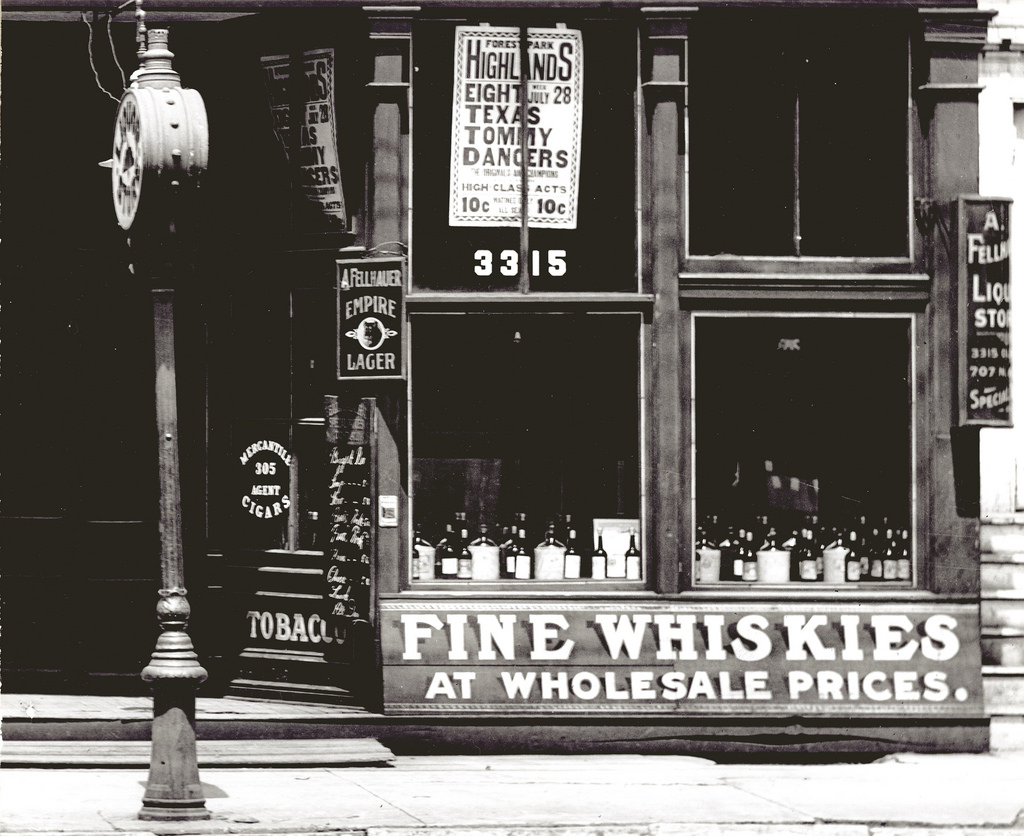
<point x="387" y="511"/>
<point x="615" y="539"/>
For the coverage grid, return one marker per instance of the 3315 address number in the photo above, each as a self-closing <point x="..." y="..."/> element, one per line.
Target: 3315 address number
<point x="551" y="261"/>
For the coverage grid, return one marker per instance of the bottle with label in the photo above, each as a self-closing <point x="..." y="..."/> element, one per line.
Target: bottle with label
<point x="748" y="558"/>
<point x="863" y="547"/>
<point x="633" y="562"/>
<point x="811" y="566"/>
<point x="729" y="547"/>
<point x="903" y="567"/>
<point x="423" y="558"/>
<point x="486" y="557"/>
<point x="523" y="570"/>
<point x="446" y="558"/>
<point x="509" y="553"/>
<point x="549" y="557"/>
<point x="599" y="560"/>
<point x="573" y="559"/>
<point x="891" y="556"/>
<point x="854" y="559"/>
<point x="464" y="568"/>
<point x="708" y="565"/>
<point x="876" y="549"/>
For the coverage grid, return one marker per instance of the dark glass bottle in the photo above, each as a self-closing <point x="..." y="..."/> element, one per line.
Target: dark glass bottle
<point x="903" y="567"/>
<point x="573" y="560"/>
<point x="524" y="558"/>
<point x="891" y="556"/>
<point x="599" y="560"/>
<point x="446" y="558"/>
<point x="854" y="562"/>
<point x="633" y="561"/>
<point x="464" y="569"/>
<point x="748" y="558"/>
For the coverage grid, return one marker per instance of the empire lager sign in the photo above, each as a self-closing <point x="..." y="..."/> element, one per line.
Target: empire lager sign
<point x="371" y="293"/>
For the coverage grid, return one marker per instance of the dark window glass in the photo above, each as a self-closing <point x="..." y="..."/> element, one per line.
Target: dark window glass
<point x="535" y="415"/>
<point x="798" y="136"/>
<point x="803" y="420"/>
<point x="600" y="253"/>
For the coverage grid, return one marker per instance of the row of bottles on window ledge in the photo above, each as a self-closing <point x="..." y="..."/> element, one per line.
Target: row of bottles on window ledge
<point x="811" y="553"/>
<point x="558" y="556"/>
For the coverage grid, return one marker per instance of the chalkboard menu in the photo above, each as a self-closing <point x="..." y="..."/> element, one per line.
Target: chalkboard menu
<point x="350" y="519"/>
<point x="984" y="311"/>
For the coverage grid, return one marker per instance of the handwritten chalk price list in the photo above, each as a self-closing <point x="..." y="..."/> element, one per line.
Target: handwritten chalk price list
<point x="350" y="538"/>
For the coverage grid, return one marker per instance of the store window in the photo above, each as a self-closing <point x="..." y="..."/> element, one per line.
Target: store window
<point x="526" y="448"/>
<point x="803" y="449"/>
<point x="798" y="141"/>
<point x="525" y="394"/>
<point x="580" y="200"/>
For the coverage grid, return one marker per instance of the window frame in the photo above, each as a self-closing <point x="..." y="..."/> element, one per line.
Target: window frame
<point x="814" y="270"/>
<point x="921" y="577"/>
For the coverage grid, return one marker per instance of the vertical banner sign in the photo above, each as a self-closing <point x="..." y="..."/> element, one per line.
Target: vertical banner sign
<point x="370" y="318"/>
<point x="350" y="496"/>
<point x="489" y="137"/>
<point x="984" y="264"/>
<point x="318" y="165"/>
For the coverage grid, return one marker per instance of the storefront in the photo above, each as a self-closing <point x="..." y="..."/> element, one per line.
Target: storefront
<point x="669" y="435"/>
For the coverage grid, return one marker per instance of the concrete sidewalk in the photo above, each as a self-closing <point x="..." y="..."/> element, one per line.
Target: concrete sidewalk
<point x="608" y="795"/>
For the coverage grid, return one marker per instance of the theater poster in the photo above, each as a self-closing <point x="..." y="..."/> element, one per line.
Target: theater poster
<point x="495" y="132"/>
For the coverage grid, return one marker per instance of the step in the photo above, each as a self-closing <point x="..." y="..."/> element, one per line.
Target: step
<point x="1002" y="577"/>
<point x="1004" y="540"/>
<point x="362" y="752"/>
<point x="1004" y="690"/>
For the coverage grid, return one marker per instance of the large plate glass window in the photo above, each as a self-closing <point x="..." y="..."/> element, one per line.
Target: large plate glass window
<point x="803" y="437"/>
<point x="798" y="135"/>
<point x="526" y="448"/>
<point x="580" y="199"/>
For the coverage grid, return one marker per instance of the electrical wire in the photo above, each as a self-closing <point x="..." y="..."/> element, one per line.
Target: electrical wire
<point x="92" y="62"/>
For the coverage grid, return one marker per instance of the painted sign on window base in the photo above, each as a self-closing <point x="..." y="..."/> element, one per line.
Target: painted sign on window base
<point x="556" y="656"/>
<point x="494" y="132"/>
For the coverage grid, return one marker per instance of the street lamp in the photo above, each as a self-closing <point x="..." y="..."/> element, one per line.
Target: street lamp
<point x="159" y="152"/>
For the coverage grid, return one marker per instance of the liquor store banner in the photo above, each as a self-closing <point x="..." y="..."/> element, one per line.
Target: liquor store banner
<point x="560" y="657"/>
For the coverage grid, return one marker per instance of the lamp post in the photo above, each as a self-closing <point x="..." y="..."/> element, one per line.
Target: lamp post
<point x="160" y="151"/>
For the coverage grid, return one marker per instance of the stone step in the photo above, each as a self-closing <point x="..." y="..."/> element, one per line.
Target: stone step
<point x="362" y="752"/>
<point x="1002" y="614"/>
<point x="1004" y="690"/>
<point x="1004" y="541"/>
<point x="1002" y="577"/>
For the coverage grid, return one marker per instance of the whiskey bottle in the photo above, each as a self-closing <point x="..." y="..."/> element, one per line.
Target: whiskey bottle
<point x="891" y="556"/>
<point x="464" y="568"/>
<point x="523" y="570"/>
<point x="729" y="548"/>
<point x="599" y="560"/>
<point x="748" y="556"/>
<point x="809" y="554"/>
<point x="633" y="563"/>
<point x="446" y="558"/>
<point x="903" y="568"/>
<point x="572" y="566"/>
<point x="854" y="559"/>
